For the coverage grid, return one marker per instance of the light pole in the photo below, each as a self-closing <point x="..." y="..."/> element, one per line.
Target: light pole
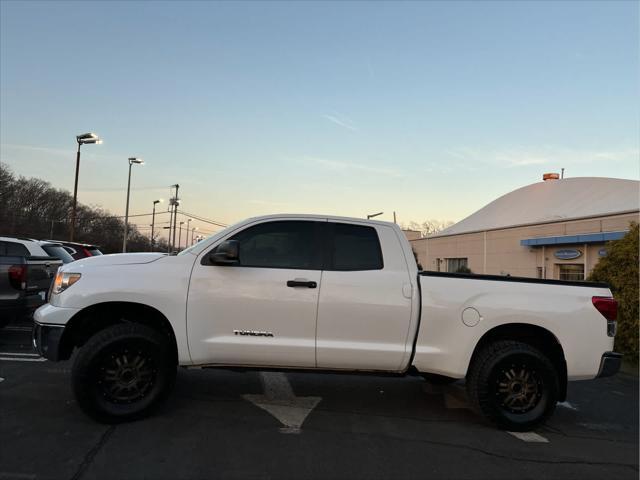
<point x="180" y="235"/>
<point x="153" y="220"/>
<point x="173" y="202"/>
<point x="193" y="230"/>
<point x="374" y="215"/>
<point x="85" y="138"/>
<point x="138" y="161"/>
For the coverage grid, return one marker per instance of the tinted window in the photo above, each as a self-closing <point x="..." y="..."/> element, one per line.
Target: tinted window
<point x="13" y="249"/>
<point x="280" y="245"/>
<point x="355" y="247"/>
<point x="94" y="251"/>
<point x="58" y="251"/>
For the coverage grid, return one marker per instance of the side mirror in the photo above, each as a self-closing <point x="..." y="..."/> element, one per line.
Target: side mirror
<point x="226" y="253"/>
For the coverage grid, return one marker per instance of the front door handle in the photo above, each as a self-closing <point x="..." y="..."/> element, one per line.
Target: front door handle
<point x="300" y="282"/>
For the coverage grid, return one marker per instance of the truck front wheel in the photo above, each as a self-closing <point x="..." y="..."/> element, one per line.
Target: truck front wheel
<point x="513" y="384"/>
<point x="123" y="372"/>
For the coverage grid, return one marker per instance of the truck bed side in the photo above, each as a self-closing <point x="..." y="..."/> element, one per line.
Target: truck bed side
<point x="458" y="310"/>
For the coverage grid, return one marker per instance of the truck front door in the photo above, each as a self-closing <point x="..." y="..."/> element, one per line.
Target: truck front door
<point x="261" y="311"/>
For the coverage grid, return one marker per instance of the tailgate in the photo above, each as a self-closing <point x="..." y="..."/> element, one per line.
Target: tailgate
<point x="40" y="273"/>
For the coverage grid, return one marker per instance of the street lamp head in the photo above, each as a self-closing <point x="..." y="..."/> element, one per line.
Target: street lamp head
<point x="155" y="202"/>
<point x="133" y="160"/>
<point x="181" y="223"/>
<point x="86" y="136"/>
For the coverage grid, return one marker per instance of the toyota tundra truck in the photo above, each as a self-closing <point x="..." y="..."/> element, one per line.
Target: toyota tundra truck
<point x="320" y="293"/>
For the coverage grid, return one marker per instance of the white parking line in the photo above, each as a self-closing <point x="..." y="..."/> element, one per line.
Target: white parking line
<point x="22" y="359"/>
<point x="18" y="329"/>
<point x="567" y="405"/>
<point x="530" y="437"/>
<point x="18" y="354"/>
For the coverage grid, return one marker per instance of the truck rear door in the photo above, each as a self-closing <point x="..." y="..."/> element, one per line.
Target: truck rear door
<point x="365" y="305"/>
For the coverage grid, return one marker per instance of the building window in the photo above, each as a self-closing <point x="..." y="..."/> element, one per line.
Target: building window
<point x="457" y="265"/>
<point x="571" y="272"/>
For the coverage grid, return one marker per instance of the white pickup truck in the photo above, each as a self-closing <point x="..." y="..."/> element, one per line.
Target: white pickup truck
<point x="320" y="293"/>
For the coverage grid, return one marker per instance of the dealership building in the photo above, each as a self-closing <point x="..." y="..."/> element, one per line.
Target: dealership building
<point x="555" y="229"/>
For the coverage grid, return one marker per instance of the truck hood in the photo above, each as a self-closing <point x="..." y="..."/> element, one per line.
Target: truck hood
<point x="116" y="259"/>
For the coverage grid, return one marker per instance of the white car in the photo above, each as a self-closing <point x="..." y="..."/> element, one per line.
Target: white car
<point x="28" y="247"/>
<point x="321" y="293"/>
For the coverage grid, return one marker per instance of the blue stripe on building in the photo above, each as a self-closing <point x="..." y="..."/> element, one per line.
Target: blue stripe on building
<point x="573" y="239"/>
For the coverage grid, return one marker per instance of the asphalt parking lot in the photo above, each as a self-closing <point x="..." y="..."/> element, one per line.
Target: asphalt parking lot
<point x="225" y="424"/>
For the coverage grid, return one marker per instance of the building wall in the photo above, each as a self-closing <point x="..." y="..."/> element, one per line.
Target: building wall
<point x="498" y="252"/>
<point x="412" y="234"/>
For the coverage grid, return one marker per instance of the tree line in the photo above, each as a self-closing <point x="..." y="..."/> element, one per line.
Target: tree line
<point x="33" y="208"/>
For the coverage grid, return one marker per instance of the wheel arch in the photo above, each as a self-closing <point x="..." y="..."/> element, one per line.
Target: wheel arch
<point x="90" y="320"/>
<point x="534" y="335"/>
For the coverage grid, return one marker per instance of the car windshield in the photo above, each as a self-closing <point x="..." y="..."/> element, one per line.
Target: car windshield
<point x="58" y="251"/>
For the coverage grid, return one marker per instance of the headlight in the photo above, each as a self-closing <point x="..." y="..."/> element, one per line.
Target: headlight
<point x="63" y="281"/>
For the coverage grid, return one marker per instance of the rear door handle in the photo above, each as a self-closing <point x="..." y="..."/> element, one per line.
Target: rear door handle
<point x="299" y="282"/>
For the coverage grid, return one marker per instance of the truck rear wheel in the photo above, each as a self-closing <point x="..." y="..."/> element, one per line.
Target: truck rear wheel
<point x="513" y="384"/>
<point x="123" y="372"/>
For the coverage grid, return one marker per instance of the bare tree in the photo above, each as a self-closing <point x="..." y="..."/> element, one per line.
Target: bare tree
<point x="31" y="207"/>
<point x="428" y="227"/>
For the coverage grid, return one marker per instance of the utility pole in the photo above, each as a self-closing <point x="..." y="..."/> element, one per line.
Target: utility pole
<point x="180" y="236"/>
<point x="175" y="214"/>
<point x="153" y="221"/>
<point x="394" y="217"/>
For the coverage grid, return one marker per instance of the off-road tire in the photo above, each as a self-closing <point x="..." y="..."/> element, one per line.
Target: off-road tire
<point x="123" y="373"/>
<point x="490" y="380"/>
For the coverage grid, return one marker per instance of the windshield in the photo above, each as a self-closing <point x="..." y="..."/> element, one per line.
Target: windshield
<point x="59" y="252"/>
<point x="198" y="244"/>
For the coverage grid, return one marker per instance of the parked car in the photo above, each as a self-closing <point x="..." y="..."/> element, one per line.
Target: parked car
<point x="26" y="272"/>
<point x="321" y="293"/>
<point x="78" y="250"/>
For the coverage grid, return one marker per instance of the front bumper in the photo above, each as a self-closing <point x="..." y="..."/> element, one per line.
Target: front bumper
<point x="46" y="340"/>
<point x="609" y="364"/>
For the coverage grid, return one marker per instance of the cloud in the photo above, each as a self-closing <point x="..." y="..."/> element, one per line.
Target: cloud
<point x="89" y="154"/>
<point x="341" y="121"/>
<point x="354" y="167"/>
<point x="35" y="148"/>
<point x="525" y="156"/>
<point x="266" y="203"/>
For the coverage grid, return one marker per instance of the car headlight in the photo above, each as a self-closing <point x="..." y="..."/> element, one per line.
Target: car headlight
<point x="63" y="281"/>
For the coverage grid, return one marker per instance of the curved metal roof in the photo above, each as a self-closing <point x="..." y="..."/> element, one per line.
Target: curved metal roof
<point x="552" y="201"/>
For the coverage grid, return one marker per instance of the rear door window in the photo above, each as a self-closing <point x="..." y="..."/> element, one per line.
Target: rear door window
<point x="13" y="249"/>
<point x="353" y="247"/>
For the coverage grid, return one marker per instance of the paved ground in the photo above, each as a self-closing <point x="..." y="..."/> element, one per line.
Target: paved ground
<point x="222" y="424"/>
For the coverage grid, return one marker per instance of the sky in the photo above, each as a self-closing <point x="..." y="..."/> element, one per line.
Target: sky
<point x="429" y="109"/>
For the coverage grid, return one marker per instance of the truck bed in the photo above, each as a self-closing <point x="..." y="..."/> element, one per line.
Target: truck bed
<point x="457" y="310"/>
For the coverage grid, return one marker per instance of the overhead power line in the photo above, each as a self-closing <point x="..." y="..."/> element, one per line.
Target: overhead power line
<point x="202" y="219"/>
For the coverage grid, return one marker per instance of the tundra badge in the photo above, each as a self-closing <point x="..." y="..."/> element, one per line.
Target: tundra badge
<point x="254" y="333"/>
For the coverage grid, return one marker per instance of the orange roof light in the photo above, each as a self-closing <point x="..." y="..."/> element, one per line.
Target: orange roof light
<point x="550" y="176"/>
